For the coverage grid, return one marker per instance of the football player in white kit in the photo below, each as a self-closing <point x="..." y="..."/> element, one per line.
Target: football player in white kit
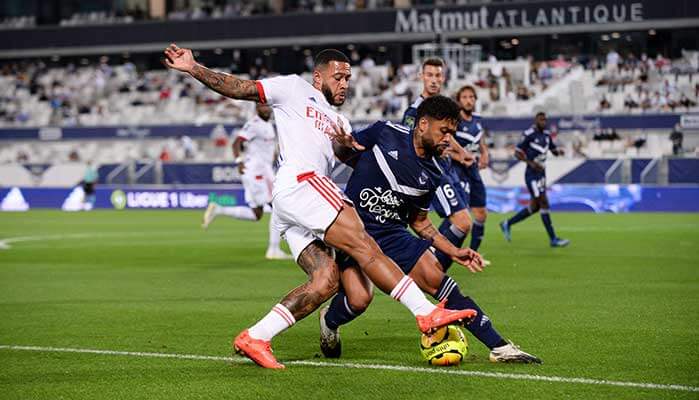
<point x="256" y="173"/>
<point x="309" y="209"/>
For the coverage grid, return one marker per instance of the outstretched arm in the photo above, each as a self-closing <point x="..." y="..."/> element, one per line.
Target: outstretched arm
<point x="421" y="224"/>
<point x="222" y="83"/>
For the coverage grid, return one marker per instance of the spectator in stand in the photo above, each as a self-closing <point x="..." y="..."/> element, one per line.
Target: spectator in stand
<point x="686" y="102"/>
<point x="612" y="62"/>
<point x="165" y="154"/>
<point x="604" y="104"/>
<point x="629" y="102"/>
<point x="676" y="138"/>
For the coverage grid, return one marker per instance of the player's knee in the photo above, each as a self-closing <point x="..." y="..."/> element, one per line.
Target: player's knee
<point x="480" y="214"/>
<point x="359" y="302"/>
<point x="462" y="221"/>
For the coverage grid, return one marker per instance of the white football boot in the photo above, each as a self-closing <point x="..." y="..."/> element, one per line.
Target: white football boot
<point x="510" y="353"/>
<point x="330" y="344"/>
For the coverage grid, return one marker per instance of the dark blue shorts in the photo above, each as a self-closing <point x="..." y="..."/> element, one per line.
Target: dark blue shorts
<point x="475" y="187"/>
<point x="450" y="196"/>
<point x="398" y="244"/>
<point x="536" y="183"/>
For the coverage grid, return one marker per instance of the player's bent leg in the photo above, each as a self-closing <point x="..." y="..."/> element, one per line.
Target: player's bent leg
<point x="353" y="298"/>
<point x="347" y="234"/>
<point x="318" y="262"/>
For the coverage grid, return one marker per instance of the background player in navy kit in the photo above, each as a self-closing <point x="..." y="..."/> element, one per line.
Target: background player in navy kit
<point x="392" y="186"/>
<point x="469" y="135"/>
<point x="452" y="201"/>
<point x="432" y="76"/>
<point x="536" y="143"/>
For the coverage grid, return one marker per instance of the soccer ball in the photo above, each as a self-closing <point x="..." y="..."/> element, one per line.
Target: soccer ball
<point x="447" y="346"/>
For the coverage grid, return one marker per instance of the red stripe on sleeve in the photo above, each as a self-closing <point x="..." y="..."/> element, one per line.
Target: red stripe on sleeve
<point x="261" y="92"/>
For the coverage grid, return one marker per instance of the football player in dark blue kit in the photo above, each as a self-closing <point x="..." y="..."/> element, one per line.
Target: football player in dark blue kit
<point x="451" y="201"/>
<point x="533" y="149"/>
<point x="392" y="185"/>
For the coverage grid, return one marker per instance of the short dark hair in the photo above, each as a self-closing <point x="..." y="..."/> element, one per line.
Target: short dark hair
<point x="539" y="113"/>
<point x="433" y="61"/>
<point x="328" y="55"/>
<point x="463" y="88"/>
<point x="439" y="108"/>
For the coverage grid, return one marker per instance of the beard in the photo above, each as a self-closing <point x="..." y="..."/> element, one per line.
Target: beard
<point x="329" y="96"/>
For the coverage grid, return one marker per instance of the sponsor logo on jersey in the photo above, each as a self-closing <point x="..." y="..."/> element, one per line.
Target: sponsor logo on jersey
<point x="382" y="203"/>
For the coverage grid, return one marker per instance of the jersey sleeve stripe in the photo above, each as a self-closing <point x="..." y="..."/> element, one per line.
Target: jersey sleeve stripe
<point x="261" y="92"/>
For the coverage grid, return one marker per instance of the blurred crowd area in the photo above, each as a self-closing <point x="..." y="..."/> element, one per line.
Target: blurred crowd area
<point x="36" y="94"/>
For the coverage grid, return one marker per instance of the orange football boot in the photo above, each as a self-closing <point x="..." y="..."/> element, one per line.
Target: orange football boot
<point x="259" y="351"/>
<point x="442" y="316"/>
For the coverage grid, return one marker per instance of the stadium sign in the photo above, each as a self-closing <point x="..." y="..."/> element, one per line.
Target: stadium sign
<point x="439" y="21"/>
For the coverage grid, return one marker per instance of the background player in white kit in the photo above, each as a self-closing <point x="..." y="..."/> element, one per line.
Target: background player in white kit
<point x="257" y="175"/>
<point x="311" y="212"/>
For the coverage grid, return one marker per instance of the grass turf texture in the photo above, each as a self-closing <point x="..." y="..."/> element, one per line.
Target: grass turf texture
<point x="621" y="303"/>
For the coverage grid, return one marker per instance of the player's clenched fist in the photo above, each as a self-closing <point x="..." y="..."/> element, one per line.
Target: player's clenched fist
<point x="179" y="59"/>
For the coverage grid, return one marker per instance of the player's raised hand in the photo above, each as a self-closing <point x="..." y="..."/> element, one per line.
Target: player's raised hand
<point x="343" y="138"/>
<point x="470" y="259"/>
<point x="179" y="59"/>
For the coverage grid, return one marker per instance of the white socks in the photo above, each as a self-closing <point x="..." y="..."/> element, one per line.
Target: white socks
<point x="238" y="212"/>
<point x="410" y="295"/>
<point x="274" y="237"/>
<point x="279" y="319"/>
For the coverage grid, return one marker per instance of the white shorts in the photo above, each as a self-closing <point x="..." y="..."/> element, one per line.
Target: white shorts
<point x="303" y="212"/>
<point x="258" y="187"/>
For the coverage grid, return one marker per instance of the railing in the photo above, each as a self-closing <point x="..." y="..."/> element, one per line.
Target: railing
<point x="127" y="166"/>
<point x="614" y="173"/>
<point x="651" y="171"/>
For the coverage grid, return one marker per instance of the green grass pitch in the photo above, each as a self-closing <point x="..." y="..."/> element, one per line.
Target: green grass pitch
<point x="620" y="304"/>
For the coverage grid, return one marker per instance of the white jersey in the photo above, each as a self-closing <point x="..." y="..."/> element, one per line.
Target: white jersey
<point x="305" y="122"/>
<point x="259" y="143"/>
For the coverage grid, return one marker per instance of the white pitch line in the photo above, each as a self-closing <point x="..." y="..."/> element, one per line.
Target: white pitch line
<point x="496" y="375"/>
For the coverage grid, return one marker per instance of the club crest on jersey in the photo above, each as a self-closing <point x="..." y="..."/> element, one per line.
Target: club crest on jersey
<point x="410" y="121"/>
<point x="394" y="154"/>
<point x="381" y="203"/>
<point x="423" y="178"/>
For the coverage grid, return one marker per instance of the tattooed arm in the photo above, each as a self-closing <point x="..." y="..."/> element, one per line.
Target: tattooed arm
<point x="421" y="224"/>
<point x="222" y="83"/>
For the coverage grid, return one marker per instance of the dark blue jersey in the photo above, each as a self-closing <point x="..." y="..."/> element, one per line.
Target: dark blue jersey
<point x="410" y="114"/>
<point x="470" y="133"/>
<point x="535" y="145"/>
<point x="390" y="180"/>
